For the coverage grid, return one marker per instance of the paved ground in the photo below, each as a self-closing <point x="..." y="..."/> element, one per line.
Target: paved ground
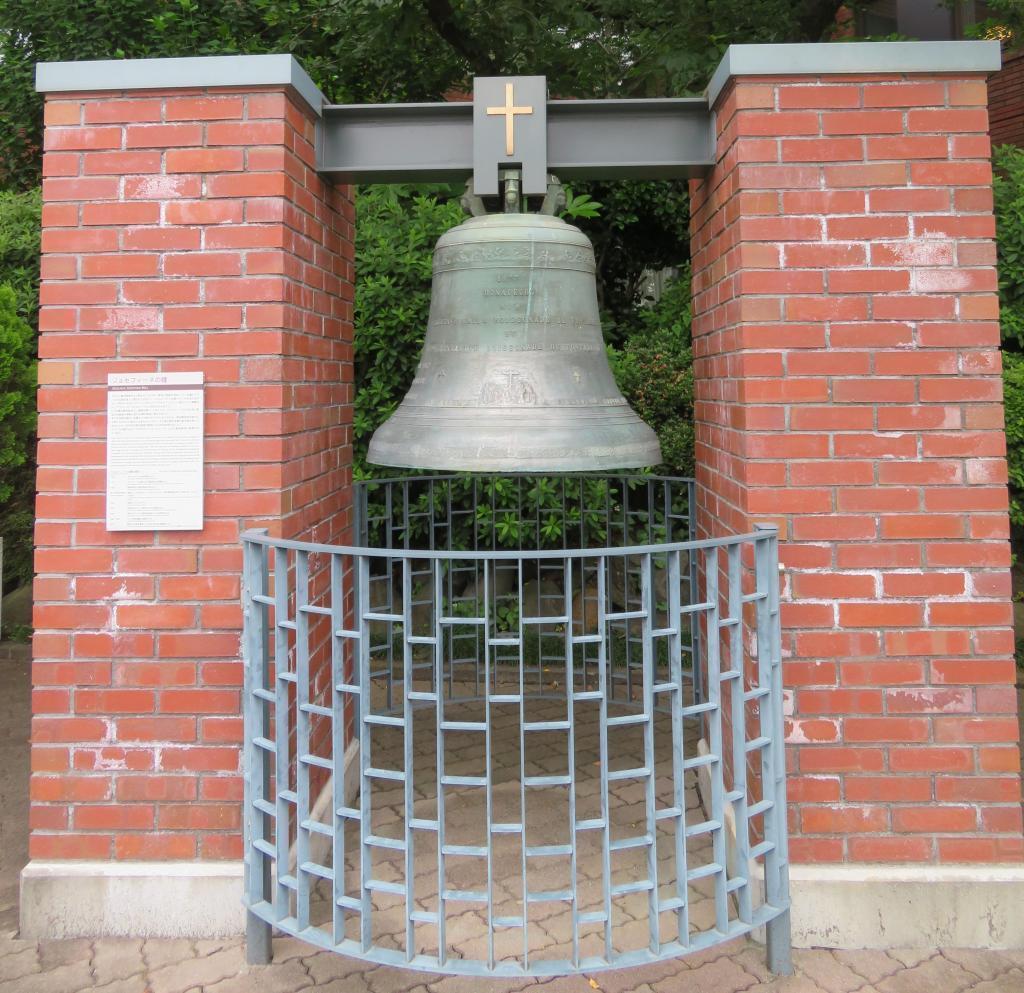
<point x="177" y="966"/>
<point x="125" y="966"/>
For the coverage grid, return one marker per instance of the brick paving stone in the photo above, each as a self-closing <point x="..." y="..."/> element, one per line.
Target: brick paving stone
<point x="353" y="984"/>
<point x="752" y="957"/>
<point x="737" y="967"/>
<point x="932" y="976"/>
<point x="721" y="976"/>
<point x="284" y="977"/>
<point x="473" y="984"/>
<point x="728" y="948"/>
<point x="208" y="946"/>
<point x="67" y="978"/>
<point x="984" y="964"/>
<point x="12" y="945"/>
<point x="182" y="976"/>
<point x="786" y="984"/>
<point x="569" y="984"/>
<point x="133" y="984"/>
<point x="160" y="952"/>
<point x="287" y="947"/>
<point x="871" y="963"/>
<point x="912" y="956"/>
<point x="1008" y="982"/>
<point x="627" y="980"/>
<point x="116" y="958"/>
<point x="827" y="971"/>
<point x="385" y="980"/>
<point x="16" y="964"/>
<point x="325" y="967"/>
<point x="55" y="953"/>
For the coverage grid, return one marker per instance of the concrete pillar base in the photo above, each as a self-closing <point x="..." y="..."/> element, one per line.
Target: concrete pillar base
<point x="894" y="905"/>
<point x="841" y="906"/>
<point x="131" y="899"/>
<point x="908" y="906"/>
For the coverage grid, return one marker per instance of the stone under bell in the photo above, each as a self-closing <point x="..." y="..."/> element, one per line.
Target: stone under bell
<point x="514" y="375"/>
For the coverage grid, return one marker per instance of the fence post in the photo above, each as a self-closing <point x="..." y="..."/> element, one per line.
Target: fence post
<point x="255" y="772"/>
<point x="776" y="863"/>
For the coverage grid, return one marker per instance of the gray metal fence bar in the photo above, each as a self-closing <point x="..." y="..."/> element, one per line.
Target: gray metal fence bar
<point x="604" y="688"/>
<point x="408" y="741"/>
<point x="737" y="795"/>
<point x="303" y="758"/>
<point x="362" y="565"/>
<point x="675" y="618"/>
<point x="769" y="656"/>
<point x="439" y="765"/>
<point x="570" y="749"/>
<point x="256" y="779"/>
<point x="650" y="759"/>
<point x="282" y="737"/>
<point x="339" y="698"/>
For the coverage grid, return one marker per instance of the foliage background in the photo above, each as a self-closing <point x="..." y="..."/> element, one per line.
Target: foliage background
<point x="396" y="50"/>
<point x="19" y="295"/>
<point x="1008" y="187"/>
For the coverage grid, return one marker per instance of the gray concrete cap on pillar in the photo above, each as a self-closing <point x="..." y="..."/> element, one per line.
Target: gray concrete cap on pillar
<point x="853" y="57"/>
<point x="186" y="73"/>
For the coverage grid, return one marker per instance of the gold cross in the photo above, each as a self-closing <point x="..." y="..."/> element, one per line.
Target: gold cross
<point x="509" y="111"/>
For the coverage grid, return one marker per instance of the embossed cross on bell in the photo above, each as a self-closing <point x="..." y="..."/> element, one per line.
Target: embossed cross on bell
<point x="514" y="374"/>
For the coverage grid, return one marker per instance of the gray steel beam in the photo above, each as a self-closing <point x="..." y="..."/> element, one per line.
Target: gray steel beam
<point x="612" y="139"/>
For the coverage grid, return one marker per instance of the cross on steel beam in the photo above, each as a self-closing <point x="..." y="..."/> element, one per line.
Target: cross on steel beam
<point x="670" y="138"/>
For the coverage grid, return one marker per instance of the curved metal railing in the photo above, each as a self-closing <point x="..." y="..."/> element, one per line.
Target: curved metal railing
<point x="523" y="726"/>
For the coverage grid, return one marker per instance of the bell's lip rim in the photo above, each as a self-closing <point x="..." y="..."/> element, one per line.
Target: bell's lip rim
<point x="644" y="455"/>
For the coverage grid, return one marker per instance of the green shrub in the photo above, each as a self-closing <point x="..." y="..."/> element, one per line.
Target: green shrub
<point x="640" y="227"/>
<point x="19" y="271"/>
<point x="17" y="388"/>
<point x="16" y="522"/>
<point x="1013" y="389"/>
<point x="654" y="370"/>
<point x="17" y="425"/>
<point x="395" y="235"/>
<point x="1008" y="187"/>
<point x="19" y="249"/>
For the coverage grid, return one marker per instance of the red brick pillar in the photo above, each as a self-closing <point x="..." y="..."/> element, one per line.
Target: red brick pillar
<point x="183" y="230"/>
<point x="846" y="344"/>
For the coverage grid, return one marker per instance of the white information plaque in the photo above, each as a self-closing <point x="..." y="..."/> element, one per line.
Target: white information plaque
<point x="155" y="451"/>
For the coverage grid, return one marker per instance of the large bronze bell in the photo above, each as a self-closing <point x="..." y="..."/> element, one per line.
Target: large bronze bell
<point x="514" y="374"/>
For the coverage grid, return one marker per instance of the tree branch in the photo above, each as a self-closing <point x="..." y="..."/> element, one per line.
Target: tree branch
<point x="442" y="16"/>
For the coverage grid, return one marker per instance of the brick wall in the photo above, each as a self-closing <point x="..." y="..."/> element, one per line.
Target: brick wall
<point x="846" y="348"/>
<point x="1006" y="101"/>
<point x="184" y="230"/>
